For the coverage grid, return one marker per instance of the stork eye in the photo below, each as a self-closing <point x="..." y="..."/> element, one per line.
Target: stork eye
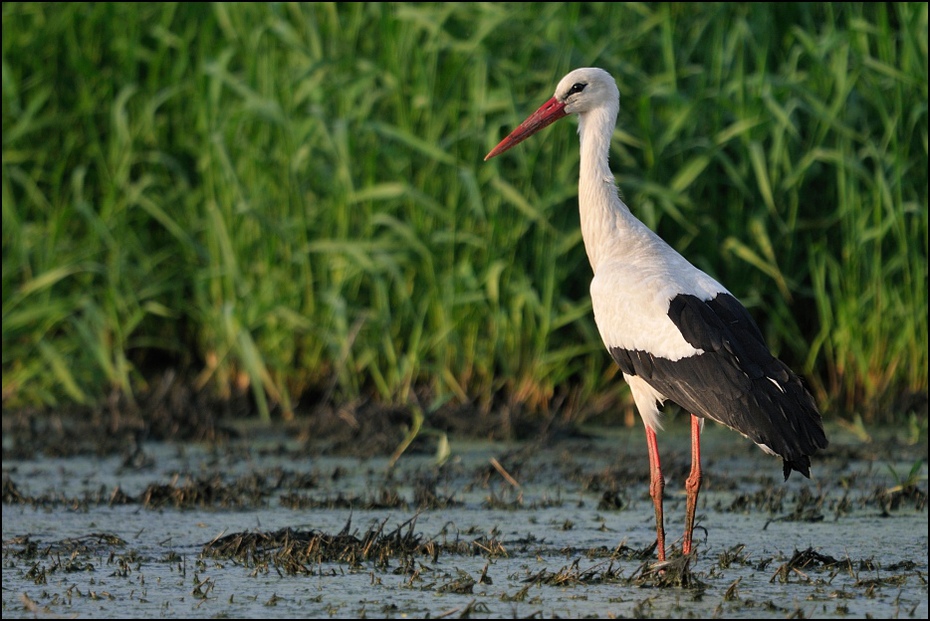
<point x="576" y="88"/>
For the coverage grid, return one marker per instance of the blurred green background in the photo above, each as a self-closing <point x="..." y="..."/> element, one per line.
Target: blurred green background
<point x="290" y="199"/>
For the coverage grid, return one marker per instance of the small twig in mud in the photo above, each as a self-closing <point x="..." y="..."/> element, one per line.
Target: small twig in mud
<point x="732" y="593"/>
<point x="519" y="596"/>
<point x="484" y="578"/>
<point x="802" y="560"/>
<point x="503" y="472"/>
<point x="202" y="588"/>
<point x="733" y="555"/>
<point x="30" y="605"/>
<point x="492" y="548"/>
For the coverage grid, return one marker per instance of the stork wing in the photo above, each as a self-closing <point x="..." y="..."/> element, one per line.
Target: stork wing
<point x="735" y="381"/>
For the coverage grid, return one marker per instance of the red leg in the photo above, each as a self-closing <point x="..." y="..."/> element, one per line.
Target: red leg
<point x="656" y="488"/>
<point x="693" y="484"/>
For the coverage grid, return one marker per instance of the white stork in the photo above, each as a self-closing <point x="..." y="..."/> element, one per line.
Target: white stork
<point x="676" y="333"/>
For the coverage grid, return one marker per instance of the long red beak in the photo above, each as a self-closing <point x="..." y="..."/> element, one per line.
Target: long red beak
<point x="548" y="113"/>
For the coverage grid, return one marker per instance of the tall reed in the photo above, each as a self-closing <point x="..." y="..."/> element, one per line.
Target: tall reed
<point x="291" y="199"/>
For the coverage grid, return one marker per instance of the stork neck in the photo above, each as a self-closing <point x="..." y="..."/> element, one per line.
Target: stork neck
<point x="603" y="215"/>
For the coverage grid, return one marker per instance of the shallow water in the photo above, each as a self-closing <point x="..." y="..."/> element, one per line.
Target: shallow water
<point x="67" y="551"/>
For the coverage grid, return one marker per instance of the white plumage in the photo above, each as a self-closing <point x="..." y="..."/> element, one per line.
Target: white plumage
<point x="640" y="320"/>
<point x="675" y="332"/>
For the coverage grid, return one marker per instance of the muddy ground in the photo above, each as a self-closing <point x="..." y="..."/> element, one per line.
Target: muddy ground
<point x="190" y="508"/>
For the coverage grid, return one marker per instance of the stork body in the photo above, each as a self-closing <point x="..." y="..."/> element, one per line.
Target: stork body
<point x="676" y="333"/>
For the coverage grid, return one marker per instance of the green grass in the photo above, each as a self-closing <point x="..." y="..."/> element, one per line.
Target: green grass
<point x="292" y="199"/>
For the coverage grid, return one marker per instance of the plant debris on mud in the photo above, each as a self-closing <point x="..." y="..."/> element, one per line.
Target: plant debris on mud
<point x="575" y="475"/>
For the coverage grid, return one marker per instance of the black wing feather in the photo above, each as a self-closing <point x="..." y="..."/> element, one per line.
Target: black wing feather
<point x="736" y="381"/>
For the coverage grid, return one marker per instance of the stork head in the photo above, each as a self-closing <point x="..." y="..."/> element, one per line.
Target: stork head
<point x="579" y="92"/>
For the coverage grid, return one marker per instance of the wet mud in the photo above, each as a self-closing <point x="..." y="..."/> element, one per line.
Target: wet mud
<point x="139" y="516"/>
